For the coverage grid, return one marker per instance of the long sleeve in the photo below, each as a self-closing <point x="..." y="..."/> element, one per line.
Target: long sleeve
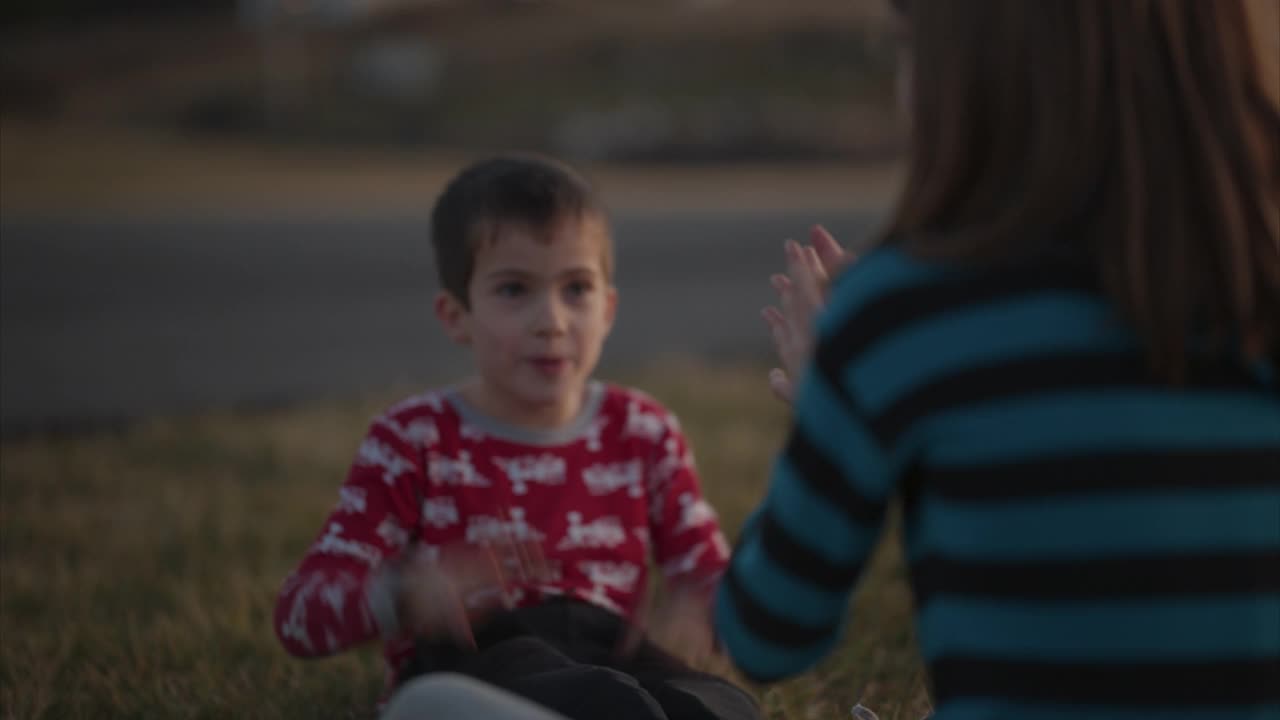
<point x="688" y="544"/>
<point x="784" y="598"/>
<point x="324" y="606"/>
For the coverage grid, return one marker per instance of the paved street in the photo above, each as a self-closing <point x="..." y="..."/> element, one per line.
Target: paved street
<point x="112" y="320"/>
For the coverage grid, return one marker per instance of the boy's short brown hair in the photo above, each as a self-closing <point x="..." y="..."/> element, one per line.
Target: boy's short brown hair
<point x="528" y="190"/>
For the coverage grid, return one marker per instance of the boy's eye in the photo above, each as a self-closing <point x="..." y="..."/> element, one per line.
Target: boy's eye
<point x="510" y="289"/>
<point x="579" y="287"/>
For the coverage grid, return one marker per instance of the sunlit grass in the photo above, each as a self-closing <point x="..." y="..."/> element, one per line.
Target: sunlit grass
<point x="138" y="569"/>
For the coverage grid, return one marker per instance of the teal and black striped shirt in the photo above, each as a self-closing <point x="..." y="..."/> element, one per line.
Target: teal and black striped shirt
<point x="1083" y="541"/>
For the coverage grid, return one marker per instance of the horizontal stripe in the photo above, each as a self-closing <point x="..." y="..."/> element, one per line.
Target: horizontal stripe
<point x="1256" y="571"/>
<point x="808" y="563"/>
<point x="832" y="425"/>
<point x="1139" y="630"/>
<point x="995" y="709"/>
<point x="773" y="628"/>
<point x="1091" y="370"/>
<point x="1167" y="469"/>
<point x="804" y="465"/>
<point x="884" y="271"/>
<point x="983" y="335"/>
<point x="808" y="518"/>
<point x="862" y="317"/>
<point x="756" y="657"/>
<point x="1086" y="423"/>
<point x="780" y="589"/>
<point x="1098" y="526"/>
<point x="1156" y="685"/>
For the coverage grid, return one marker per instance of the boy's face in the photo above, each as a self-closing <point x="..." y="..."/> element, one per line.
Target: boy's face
<point x="539" y="314"/>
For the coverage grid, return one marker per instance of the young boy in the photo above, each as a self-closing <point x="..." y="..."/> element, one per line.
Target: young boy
<point x="502" y="528"/>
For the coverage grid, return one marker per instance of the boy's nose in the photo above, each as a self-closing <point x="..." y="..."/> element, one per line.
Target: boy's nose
<point x="552" y="318"/>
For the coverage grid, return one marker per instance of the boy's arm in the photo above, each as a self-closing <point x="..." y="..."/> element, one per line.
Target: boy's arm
<point x="687" y="541"/>
<point x="325" y="604"/>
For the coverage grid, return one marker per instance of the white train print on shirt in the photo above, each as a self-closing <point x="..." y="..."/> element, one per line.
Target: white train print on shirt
<point x="419" y="432"/>
<point x="620" y="576"/>
<point x="605" y="532"/>
<point x="352" y="500"/>
<point x="471" y="432"/>
<point x="332" y="544"/>
<point x="440" y="512"/>
<point x="720" y="545"/>
<point x="295" y="625"/>
<point x="524" y="471"/>
<point x="375" y="453"/>
<point x="647" y="425"/>
<point x="487" y="528"/>
<point x="673" y="461"/>
<point x="334" y="594"/>
<point x="431" y="399"/>
<point x="392" y="533"/>
<point x="458" y="473"/>
<point x="593" y="432"/>
<point x="608" y="478"/>
<point x="694" y="512"/>
<point x="686" y="563"/>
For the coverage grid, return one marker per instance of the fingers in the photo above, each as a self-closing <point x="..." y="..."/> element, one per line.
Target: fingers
<point x="434" y="606"/>
<point x="814" y="262"/>
<point x="801" y="295"/>
<point x="830" y="254"/>
<point x="681" y="624"/>
<point x="457" y="622"/>
<point x="807" y="279"/>
<point x="539" y="569"/>
<point x="778" y="329"/>
<point x="780" y="384"/>
<point x="786" y="293"/>
<point x="793" y="319"/>
<point x="522" y="561"/>
<point x="792" y="346"/>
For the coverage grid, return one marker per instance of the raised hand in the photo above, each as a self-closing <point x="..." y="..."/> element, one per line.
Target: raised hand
<point x="802" y="292"/>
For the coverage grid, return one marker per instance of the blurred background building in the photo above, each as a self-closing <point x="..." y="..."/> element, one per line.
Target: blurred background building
<point x="671" y="80"/>
<point x="222" y="203"/>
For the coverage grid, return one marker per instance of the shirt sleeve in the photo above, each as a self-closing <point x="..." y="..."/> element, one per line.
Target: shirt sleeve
<point x="330" y="602"/>
<point x="688" y="544"/>
<point x="785" y="596"/>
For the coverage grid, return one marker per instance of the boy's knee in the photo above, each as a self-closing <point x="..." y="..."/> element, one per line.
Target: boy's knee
<point x="443" y="693"/>
<point x="450" y="695"/>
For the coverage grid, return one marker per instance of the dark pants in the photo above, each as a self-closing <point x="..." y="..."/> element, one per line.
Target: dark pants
<point x="563" y="655"/>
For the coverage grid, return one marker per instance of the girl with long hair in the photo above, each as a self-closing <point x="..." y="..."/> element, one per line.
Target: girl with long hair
<point x="1062" y="360"/>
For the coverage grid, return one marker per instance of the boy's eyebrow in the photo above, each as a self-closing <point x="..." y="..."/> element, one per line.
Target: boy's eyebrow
<point x="501" y="272"/>
<point x="520" y="273"/>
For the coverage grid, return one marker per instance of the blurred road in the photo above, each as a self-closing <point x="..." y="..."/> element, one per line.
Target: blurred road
<point x="112" y="320"/>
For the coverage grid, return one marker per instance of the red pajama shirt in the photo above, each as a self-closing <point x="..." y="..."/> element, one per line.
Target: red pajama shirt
<point x="601" y="497"/>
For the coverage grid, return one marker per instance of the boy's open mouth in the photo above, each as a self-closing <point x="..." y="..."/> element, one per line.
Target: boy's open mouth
<point x="549" y="365"/>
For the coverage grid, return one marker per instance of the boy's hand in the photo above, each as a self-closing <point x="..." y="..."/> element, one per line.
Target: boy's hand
<point x="680" y="624"/>
<point x="447" y="593"/>
<point x="802" y="293"/>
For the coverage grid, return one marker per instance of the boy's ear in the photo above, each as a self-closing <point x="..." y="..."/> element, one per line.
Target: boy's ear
<point x="452" y="315"/>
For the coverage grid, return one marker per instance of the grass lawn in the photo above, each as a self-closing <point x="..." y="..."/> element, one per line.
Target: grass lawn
<point x="138" y="568"/>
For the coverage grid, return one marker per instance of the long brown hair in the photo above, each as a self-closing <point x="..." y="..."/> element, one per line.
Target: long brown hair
<point x="1142" y="128"/>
